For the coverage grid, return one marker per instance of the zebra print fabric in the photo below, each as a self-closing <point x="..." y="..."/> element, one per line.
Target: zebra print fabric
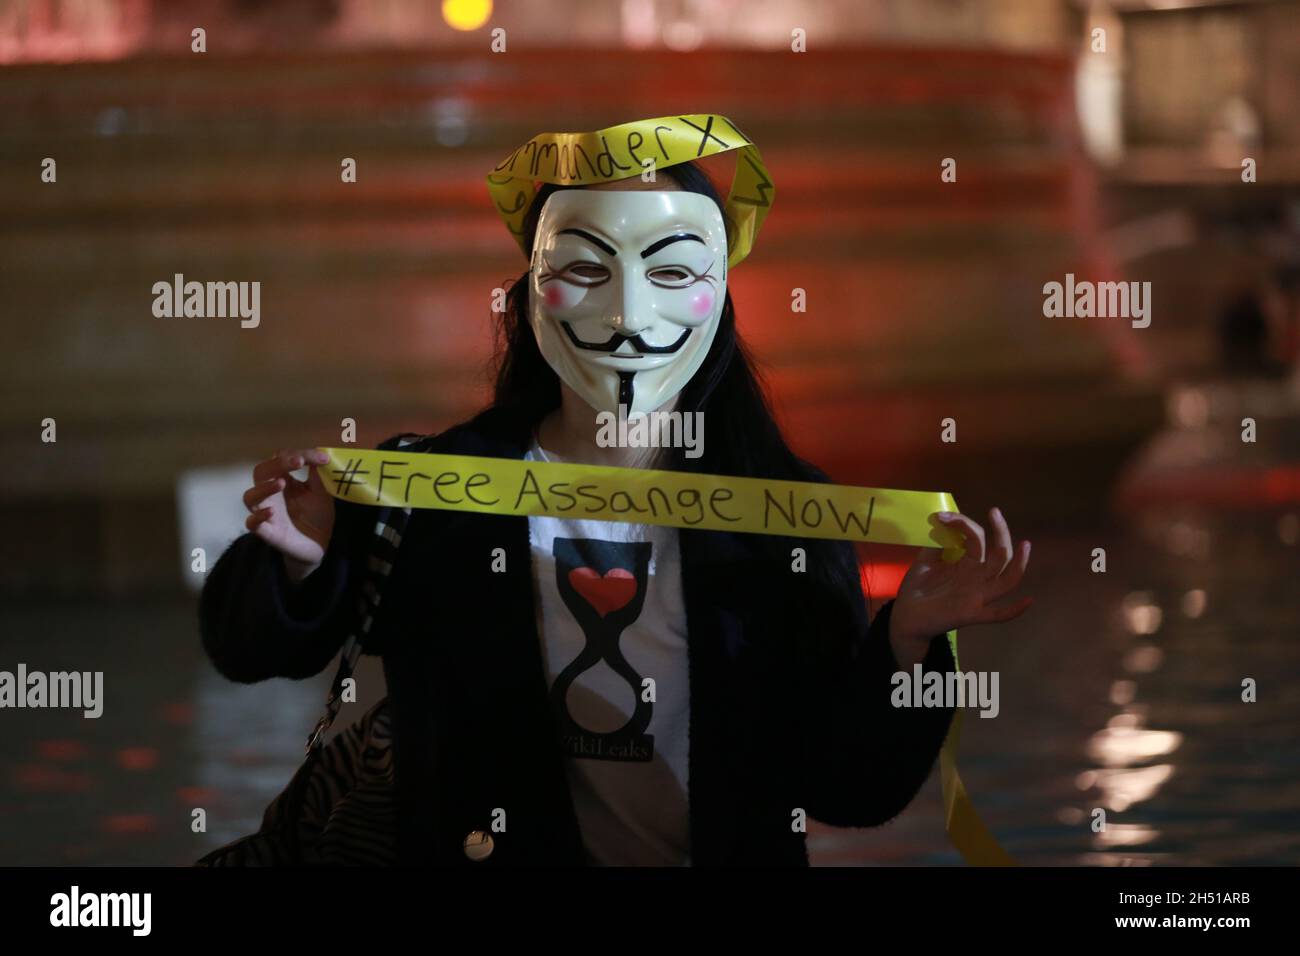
<point x="339" y="809"/>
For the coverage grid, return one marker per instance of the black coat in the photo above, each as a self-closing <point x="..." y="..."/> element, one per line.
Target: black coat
<point x="789" y="689"/>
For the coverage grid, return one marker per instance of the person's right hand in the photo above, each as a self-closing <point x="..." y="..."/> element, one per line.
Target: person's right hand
<point x="294" y="517"/>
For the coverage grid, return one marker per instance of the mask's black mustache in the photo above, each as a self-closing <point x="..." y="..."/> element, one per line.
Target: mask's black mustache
<point x="618" y="338"/>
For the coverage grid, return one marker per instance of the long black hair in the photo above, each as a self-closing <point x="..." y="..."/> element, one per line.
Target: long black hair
<point x="743" y="436"/>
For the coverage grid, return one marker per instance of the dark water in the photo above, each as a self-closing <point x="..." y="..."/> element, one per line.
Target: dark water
<point x="1123" y="691"/>
<point x="1119" y="691"/>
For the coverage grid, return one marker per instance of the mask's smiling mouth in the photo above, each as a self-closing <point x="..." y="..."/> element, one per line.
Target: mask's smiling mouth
<point x="616" y="341"/>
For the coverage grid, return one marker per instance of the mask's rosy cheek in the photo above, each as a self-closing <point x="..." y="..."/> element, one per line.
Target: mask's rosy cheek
<point x="702" y="303"/>
<point x="553" y="296"/>
<point x="558" y="296"/>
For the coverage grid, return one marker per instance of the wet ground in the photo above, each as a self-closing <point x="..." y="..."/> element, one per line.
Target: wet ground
<point x="1123" y="691"/>
<point x="1120" y="691"/>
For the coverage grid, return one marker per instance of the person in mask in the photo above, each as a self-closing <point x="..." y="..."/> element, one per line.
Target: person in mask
<point x="618" y="693"/>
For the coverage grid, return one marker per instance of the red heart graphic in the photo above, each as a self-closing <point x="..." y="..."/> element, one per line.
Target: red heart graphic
<point x="606" y="594"/>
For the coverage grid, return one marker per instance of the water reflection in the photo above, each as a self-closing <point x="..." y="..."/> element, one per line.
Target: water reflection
<point x="1124" y="748"/>
<point x="1123" y="691"/>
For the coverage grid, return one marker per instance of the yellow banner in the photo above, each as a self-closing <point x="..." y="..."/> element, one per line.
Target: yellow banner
<point x="507" y="486"/>
<point x="621" y="152"/>
<point x="510" y="486"/>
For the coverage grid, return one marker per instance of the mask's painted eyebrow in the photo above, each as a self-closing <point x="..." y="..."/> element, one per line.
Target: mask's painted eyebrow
<point x="654" y="247"/>
<point x="595" y="241"/>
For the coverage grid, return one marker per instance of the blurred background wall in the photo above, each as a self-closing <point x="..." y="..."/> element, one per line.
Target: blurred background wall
<point x="1110" y="155"/>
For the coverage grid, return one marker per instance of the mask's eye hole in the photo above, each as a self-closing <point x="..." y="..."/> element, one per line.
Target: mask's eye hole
<point x="673" y="277"/>
<point x="586" y="273"/>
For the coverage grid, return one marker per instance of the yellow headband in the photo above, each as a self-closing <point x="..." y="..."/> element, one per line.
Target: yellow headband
<point x="621" y="152"/>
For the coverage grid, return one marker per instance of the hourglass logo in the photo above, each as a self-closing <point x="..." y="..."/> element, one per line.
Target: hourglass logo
<point x="603" y="584"/>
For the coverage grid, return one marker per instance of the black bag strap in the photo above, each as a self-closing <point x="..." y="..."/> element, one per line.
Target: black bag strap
<point x="390" y="525"/>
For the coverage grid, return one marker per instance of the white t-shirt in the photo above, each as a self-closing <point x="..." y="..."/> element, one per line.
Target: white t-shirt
<point x="611" y="618"/>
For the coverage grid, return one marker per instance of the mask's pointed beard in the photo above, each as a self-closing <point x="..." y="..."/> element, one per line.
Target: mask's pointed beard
<point x="625" y="389"/>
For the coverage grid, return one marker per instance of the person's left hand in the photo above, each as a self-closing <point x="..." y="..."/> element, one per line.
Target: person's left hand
<point x="937" y="596"/>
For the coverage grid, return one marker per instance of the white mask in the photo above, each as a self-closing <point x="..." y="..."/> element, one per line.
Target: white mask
<point x="603" y="301"/>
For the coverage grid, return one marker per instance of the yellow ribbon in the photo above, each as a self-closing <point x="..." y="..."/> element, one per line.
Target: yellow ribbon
<point x="510" y="486"/>
<point x="621" y="152"/>
<point x="967" y="832"/>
